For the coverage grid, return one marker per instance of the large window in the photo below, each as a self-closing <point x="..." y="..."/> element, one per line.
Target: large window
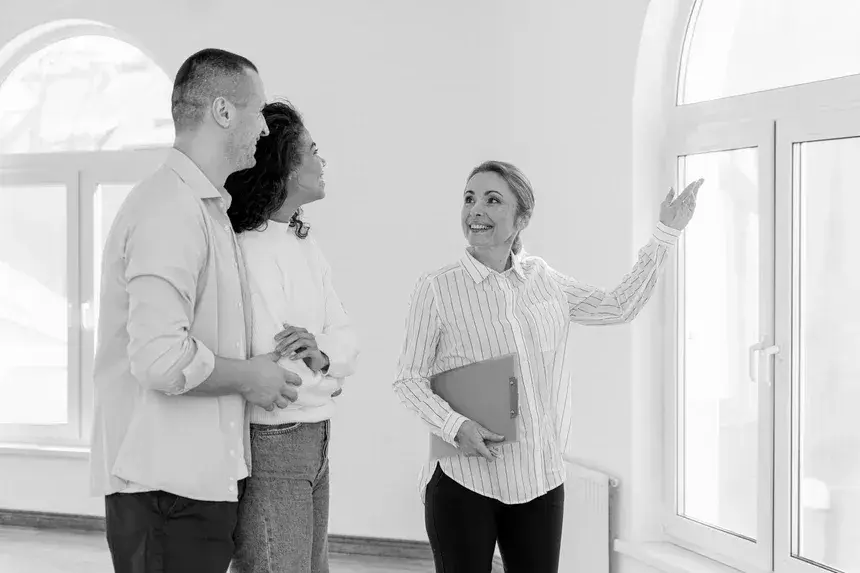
<point x="764" y="469"/>
<point x="76" y="117"/>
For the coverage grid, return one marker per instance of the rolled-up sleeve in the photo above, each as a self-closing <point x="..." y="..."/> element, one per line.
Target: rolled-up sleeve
<point x="165" y="252"/>
<point x="412" y="383"/>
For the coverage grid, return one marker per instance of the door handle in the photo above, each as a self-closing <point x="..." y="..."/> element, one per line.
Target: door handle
<point x="88" y="318"/>
<point x="756" y="349"/>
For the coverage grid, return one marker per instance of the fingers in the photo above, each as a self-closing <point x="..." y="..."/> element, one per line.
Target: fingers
<point x="670" y="196"/>
<point x="282" y="402"/>
<point x="292" y="379"/>
<point x="291" y="345"/>
<point x="485" y="452"/>
<point x="288" y="394"/>
<point x="488" y="435"/>
<point x="691" y="191"/>
<point x="288" y="330"/>
<point x="290" y="339"/>
<point x="301" y="354"/>
<point x="699" y="184"/>
<point x="273" y="356"/>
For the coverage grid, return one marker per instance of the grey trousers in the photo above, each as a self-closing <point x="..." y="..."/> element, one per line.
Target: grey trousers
<point x="283" y="514"/>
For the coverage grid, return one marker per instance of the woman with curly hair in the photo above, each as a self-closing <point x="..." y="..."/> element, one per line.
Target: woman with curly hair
<point x="283" y="514"/>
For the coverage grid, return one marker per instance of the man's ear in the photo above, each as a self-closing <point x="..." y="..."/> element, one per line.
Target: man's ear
<point x="222" y="111"/>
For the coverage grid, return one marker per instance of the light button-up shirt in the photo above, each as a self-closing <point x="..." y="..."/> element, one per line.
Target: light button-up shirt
<point x="172" y="297"/>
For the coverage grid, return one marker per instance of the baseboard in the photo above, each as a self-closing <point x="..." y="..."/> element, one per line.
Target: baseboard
<point x="339" y="544"/>
<point x="46" y="520"/>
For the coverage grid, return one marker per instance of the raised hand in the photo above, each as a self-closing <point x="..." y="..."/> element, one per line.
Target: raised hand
<point x="677" y="212"/>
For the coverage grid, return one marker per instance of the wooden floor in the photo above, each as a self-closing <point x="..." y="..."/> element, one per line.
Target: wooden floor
<point x="51" y="551"/>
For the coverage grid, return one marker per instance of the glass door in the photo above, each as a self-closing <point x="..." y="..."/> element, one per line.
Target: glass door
<point x="724" y="341"/>
<point x="818" y="380"/>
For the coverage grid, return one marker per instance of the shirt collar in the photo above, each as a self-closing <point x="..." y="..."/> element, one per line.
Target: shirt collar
<point x="479" y="271"/>
<point x="191" y="174"/>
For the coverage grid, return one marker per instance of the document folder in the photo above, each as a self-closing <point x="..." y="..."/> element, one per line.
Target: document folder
<point x="485" y="392"/>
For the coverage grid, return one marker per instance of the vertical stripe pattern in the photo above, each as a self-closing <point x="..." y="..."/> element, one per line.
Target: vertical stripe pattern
<point x="466" y="312"/>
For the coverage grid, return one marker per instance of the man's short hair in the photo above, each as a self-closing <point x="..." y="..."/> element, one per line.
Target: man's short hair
<point x="201" y="79"/>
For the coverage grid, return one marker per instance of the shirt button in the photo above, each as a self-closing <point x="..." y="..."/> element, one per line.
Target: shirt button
<point x="232" y="489"/>
<point x="226" y="227"/>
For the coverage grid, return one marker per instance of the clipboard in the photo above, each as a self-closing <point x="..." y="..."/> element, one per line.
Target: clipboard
<point x="486" y="392"/>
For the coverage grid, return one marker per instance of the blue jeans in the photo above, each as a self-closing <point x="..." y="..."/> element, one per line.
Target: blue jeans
<point x="283" y="514"/>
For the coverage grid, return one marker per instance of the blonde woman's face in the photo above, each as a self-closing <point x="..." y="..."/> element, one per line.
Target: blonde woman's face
<point x="489" y="214"/>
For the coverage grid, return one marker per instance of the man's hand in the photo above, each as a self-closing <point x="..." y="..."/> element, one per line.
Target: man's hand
<point x="297" y="343"/>
<point x="677" y="212"/>
<point x="270" y="385"/>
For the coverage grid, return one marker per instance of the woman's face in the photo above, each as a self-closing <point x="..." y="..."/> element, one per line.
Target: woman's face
<point x="489" y="215"/>
<point x="307" y="183"/>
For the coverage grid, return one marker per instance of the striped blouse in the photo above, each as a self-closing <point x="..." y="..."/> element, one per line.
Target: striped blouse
<point x="466" y="312"/>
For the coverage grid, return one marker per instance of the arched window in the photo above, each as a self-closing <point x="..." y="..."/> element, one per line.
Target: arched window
<point x="739" y="47"/>
<point x="84" y="115"/>
<point x="765" y="442"/>
<point x="86" y="93"/>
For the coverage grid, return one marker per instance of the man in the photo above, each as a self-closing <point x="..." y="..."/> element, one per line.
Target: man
<point x="170" y="447"/>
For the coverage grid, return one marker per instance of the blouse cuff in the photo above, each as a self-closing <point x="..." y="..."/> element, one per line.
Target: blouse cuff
<point x="451" y="426"/>
<point x="666" y="235"/>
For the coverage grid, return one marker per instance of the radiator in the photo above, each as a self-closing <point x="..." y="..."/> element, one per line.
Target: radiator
<point x="586" y="542"/>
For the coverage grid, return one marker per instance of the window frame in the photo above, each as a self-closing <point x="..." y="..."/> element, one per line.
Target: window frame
<point x="84" y="172"/>
<point x="701" y="538"/>
<point x="822" y="126"/>
<point x="67" y="434"/>
<point x="822" y="108"/>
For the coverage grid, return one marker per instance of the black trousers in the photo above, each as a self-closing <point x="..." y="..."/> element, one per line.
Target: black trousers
<point x="159" y="532"/>
<point x="464" y="527"/>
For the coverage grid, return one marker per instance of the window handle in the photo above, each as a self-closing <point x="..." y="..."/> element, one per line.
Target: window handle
<point x="763" y="348"/>
<point x="88" y="316"/>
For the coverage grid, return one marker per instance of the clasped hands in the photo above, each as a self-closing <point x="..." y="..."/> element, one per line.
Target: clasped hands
<point x="273" y="386"/>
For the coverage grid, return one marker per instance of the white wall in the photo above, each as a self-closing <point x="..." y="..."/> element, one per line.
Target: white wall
<point x="403" y="99"/>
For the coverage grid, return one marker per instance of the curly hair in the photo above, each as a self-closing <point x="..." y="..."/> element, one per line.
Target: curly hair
<point x="261" y="190"/>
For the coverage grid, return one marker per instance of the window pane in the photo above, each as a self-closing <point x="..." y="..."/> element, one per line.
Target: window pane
<point x="718" y="459"/>
<point x="86" y="93"/>
<point x="33" y="305"/>
<point x="107" y="201"/>
<point x="746" y="46"/>
<point x="826" y="517"/>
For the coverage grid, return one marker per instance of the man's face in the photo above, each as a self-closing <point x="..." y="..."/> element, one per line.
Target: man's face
<point x="249" y="125"/>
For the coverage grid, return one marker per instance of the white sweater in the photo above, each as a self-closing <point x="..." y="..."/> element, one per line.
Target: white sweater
<point x="290" y="283"/>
